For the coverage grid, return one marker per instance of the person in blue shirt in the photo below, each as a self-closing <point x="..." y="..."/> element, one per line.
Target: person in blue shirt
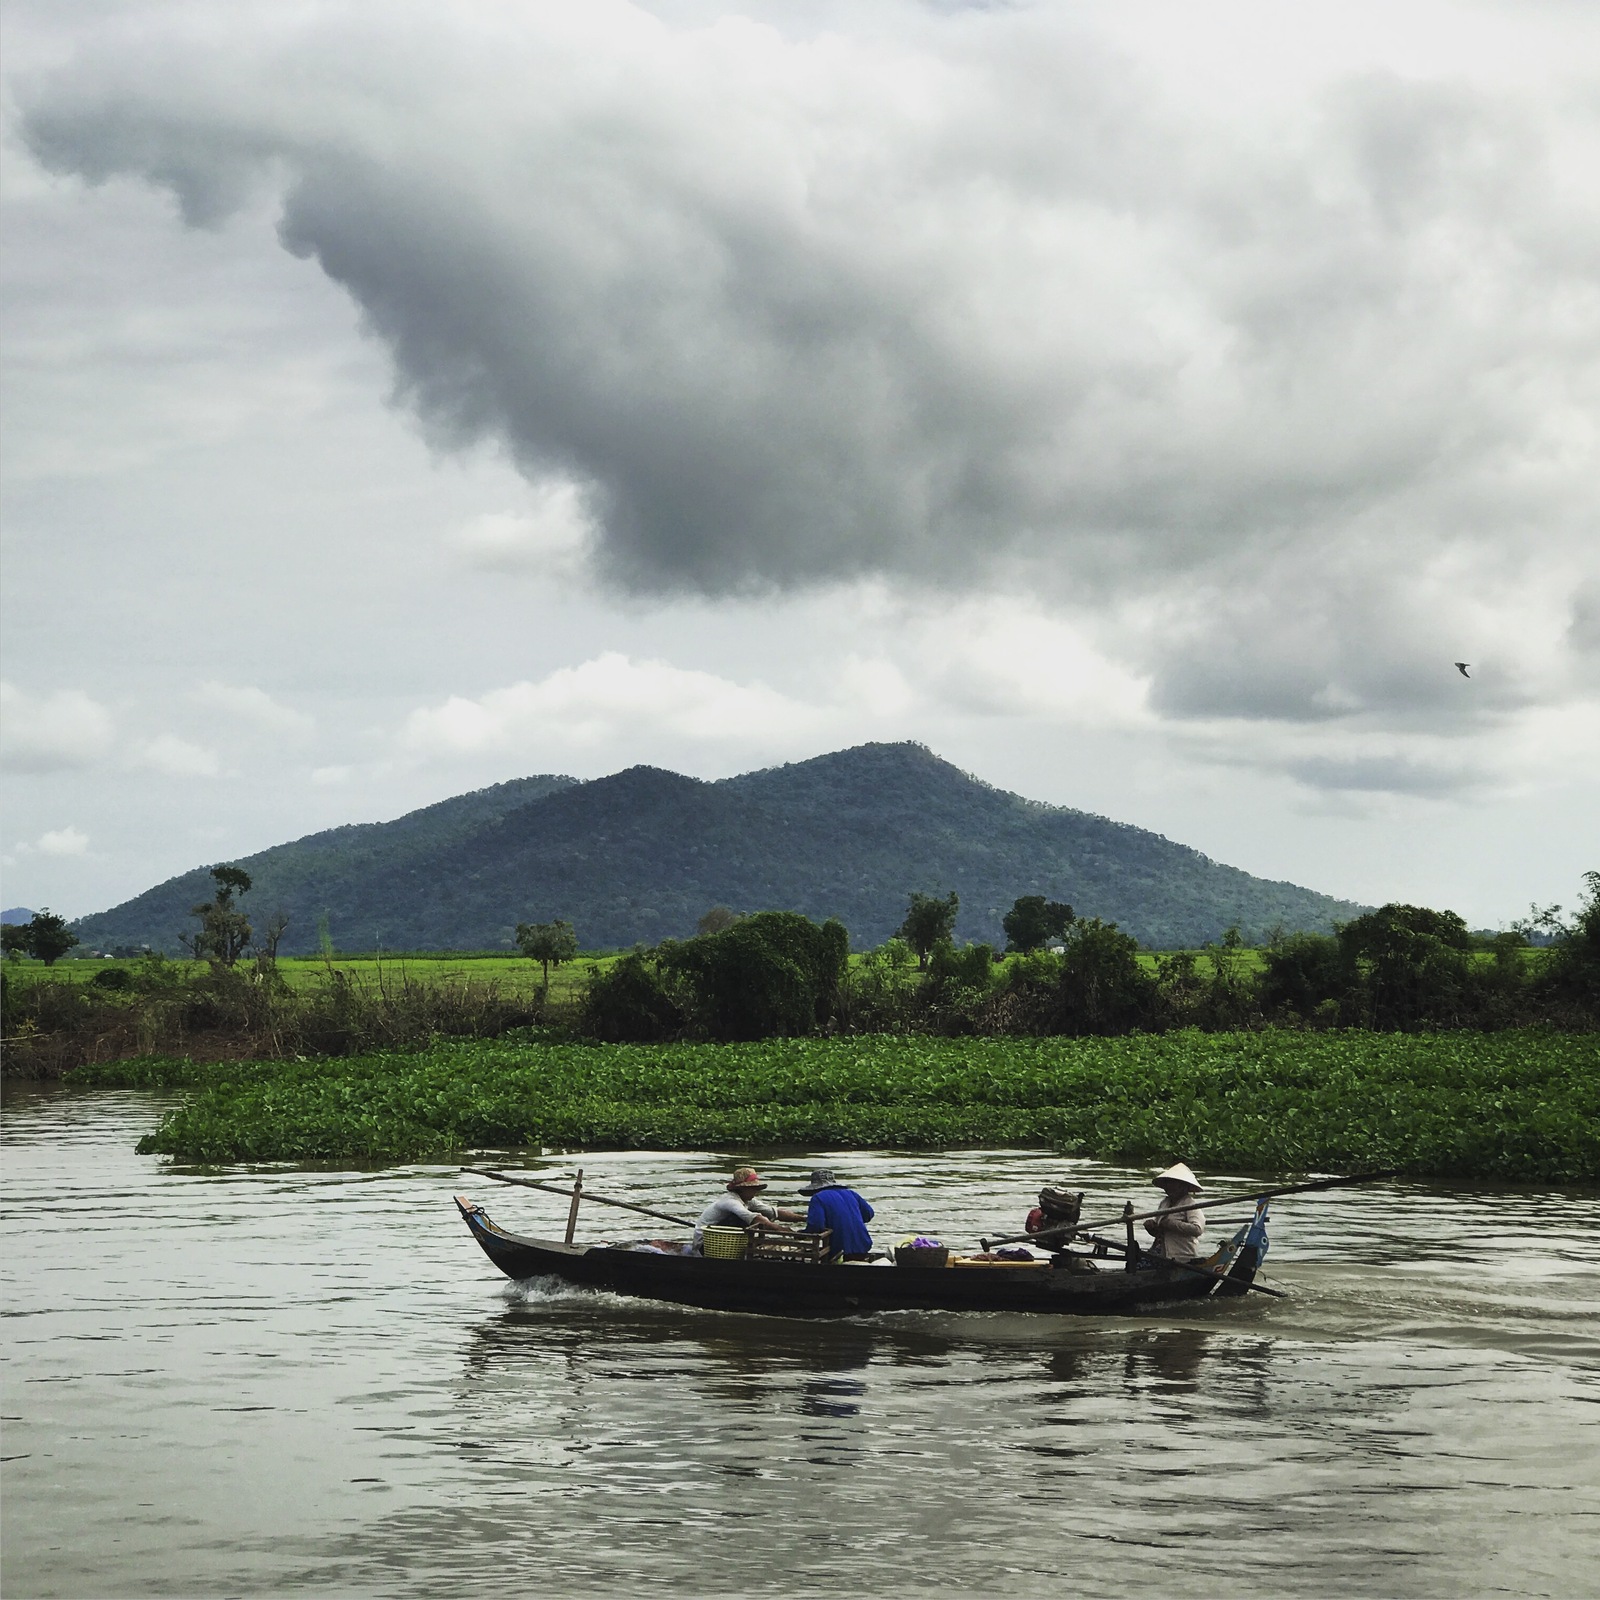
<point x="842" y="1209"/>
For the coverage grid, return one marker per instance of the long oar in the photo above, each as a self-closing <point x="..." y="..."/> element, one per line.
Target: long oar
<point x="566" y="1194"/>
<point x="1213" y="1204"/>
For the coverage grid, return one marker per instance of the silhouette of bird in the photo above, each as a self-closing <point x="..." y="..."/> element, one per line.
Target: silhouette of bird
<point x="1461" y="667"/>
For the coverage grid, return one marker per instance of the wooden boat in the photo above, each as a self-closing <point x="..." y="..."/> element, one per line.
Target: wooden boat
<point x="788" y="1288"/>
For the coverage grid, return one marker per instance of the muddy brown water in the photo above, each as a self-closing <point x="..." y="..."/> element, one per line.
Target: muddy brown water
<point x="250" y="1382"/>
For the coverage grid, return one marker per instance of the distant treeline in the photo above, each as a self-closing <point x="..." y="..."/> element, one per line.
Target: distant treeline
<point x="778" y="974"/>
<point x="1399" y="968"/>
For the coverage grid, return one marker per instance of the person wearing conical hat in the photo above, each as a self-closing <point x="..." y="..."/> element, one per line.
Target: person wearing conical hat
<point x="1177" y="1236"/>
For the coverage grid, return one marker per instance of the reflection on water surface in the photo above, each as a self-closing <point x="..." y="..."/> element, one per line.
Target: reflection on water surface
<point x="252" y="1382"/>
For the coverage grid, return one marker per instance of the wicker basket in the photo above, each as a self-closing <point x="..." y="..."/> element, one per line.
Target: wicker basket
<point x="924" y="1255"/>
<point x="725" y="1244"/>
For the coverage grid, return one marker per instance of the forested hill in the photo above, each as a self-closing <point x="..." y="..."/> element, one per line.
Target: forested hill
<point x="641" y="855"/>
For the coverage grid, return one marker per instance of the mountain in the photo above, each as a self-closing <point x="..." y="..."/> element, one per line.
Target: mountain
<point x="641" y="855"/>
<point x="17" y="914"/>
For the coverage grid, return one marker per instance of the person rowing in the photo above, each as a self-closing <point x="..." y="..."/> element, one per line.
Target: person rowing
<point x="739" y="1208"/>
<point x="1177" y="1226"/>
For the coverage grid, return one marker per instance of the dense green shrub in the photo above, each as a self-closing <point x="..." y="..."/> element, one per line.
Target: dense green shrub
<point x="1303" y="972"/>
<point x="1103" y="989"/>
<point x="1571" y="975"/>
<point x="1415" y="967"/>
<point x="628" y="1003"/>
<point x="773" y="974"/>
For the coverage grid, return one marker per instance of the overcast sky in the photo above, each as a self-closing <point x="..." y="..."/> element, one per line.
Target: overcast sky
<point x="1144" y="406"/>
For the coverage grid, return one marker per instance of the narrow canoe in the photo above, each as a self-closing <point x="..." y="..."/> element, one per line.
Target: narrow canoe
<point x="791" y="1289"/>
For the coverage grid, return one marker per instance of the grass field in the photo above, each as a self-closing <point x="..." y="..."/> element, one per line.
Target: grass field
<point x="512" y="973"/>
<point x="1520" y="1105"/>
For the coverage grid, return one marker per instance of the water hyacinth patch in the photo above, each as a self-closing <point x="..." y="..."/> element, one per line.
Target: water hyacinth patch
<point x="1516" y="1105"/>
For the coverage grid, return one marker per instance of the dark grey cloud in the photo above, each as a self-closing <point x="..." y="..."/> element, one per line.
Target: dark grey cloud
<point x="960" y="299"/>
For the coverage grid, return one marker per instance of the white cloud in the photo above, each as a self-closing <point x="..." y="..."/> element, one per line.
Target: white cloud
<point x="610" y="699"/>
<point x="177" y="758"/>
<point x="551" y="540"/>
<point x="51" y="732"/>
<point x="67" y="841"/>
<point x="254" y="706"/>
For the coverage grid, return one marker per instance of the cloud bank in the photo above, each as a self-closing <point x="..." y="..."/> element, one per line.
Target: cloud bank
<point x="1282" y="374"/>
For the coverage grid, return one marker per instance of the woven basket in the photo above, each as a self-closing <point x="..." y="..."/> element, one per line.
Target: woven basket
<point x="725" y="1244"/>
<point x="922" y="1256"/>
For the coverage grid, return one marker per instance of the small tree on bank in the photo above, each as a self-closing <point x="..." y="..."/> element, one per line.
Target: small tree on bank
<point x="929" y="921"/>
<point x="224" y="933"/>
<point x="549" y="943"/>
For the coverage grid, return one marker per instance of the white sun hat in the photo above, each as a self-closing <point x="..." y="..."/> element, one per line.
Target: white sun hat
<point x="1178" y="1174"/>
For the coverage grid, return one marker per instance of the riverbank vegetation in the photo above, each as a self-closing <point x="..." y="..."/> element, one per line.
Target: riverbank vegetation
<point x="1518" y="1105"/>
<point x="778" y="974"/>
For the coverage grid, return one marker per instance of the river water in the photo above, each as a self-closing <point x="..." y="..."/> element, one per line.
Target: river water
<point x="249" y="1381"/>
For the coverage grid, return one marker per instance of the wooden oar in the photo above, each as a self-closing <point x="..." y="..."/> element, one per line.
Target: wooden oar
<point x="570" y="1194"/>
<point x="1215" y="1204"/>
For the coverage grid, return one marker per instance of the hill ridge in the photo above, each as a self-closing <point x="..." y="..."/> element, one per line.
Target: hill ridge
<point x="640" y="854"/>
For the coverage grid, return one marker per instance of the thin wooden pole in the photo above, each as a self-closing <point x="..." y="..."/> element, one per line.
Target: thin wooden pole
<point x="588" y="1194"/>
<point x="572" y="1210"/>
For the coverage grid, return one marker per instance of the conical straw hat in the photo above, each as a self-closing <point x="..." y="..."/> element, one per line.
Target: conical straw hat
<point x="1179" y="1173"/>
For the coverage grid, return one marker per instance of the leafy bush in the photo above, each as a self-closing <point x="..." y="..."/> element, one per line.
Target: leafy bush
<point x="1103" y="989"/>
<point x="629" y="1004"/>
<point x="773" y="974"/>
<point x="1572" y="973"/>
<point x="1415" y="967"/>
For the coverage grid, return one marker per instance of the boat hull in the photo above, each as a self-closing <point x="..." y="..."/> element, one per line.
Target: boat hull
<point x="788" y="1289"/>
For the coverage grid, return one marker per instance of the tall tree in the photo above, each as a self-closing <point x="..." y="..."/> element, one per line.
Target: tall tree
<point x="928" y="921"/>
<point x="548" y="942"/>
<point x="46" y="937"/>
<point x="1033" y="921"/>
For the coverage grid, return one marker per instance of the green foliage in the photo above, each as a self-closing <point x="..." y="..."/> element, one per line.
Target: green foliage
<point x="1572" y="974"/>
<point x="627" y="1003"/>
<point x="1517" y="1106"/>
<point x="957" y="985"/>
<point x="224" y="933"/>
<point x="929" y="921"/>
<point x="1415" y="966"/>
<point x="716" y="919"/>
<point x="1303" y="971"/>
<point x="549" y="943"/>
<point x="14" y="940"/>
<point x="54" y="1024"/>
<point x="1103" y="989"/>
<point x="773" y="974"/>
<point x="45" y="936"/>
<point x="231" y="880"/>
<point x="1032" y="922"/>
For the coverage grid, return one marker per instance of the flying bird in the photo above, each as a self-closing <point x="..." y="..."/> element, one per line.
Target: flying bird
<point x="1461" y="667"/>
